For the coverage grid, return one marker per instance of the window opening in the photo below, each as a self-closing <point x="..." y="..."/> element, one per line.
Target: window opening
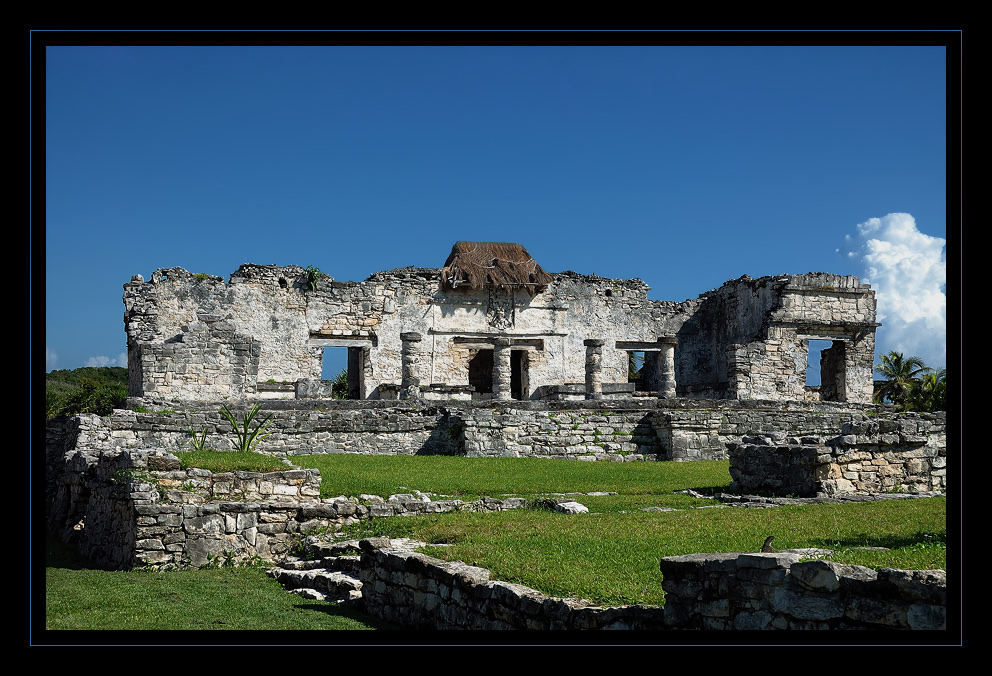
<point x="342" y="367"/>
<point x="814" y="378"/>
<point x="480" y="372"/>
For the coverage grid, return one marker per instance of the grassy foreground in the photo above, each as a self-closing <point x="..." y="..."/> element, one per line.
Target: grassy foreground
<point x="609" y="556"/>
<point x="80" y="597"/>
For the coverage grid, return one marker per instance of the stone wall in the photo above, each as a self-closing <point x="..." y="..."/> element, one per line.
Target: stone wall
<point x="574" y="434"/>
<point x="126" y="509"/>
<point x="904" y="453"/>
<point x="702" y="592"/>
<point x="782" y="591"/>
<point x="208" y="359"/>
<point x="292" y="431"/>
<point x="637" y="428"/>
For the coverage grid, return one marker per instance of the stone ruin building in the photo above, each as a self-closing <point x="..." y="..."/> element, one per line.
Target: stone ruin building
<point x="492" y="324"/>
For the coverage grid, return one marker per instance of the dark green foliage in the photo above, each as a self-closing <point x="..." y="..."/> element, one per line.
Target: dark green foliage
<point x="928" y="394"/>
<point x="910" y="384"/>
<point x="339" y="388"/>
<point x="313" y="276"/>
<point x="92" y="389"/>
<point x="247" y="438"/>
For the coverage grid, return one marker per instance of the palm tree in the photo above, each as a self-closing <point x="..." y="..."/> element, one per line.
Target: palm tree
<point x="929" y="394"/>
<point x="899" y="373"/>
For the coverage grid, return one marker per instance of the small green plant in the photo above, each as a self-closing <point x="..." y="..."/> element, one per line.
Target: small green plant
<point x="247" y="438"/>
<point x="313" y="276"/>
<point x="199" y="276"/>
<point x="198" y="442"/>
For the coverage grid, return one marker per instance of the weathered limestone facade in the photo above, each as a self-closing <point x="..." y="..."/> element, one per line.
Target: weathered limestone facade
<point x="420" y="332"/>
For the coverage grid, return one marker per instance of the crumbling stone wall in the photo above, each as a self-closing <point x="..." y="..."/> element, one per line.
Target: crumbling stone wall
<point x="208" y="360"/>
<point x="782" y="591"/>
<point x="746" y="340"/>
<point x="702" y="592"/>
<point x="126" y="509"/>
<point x="902" y="453"/>
<point x="749" y="338"/>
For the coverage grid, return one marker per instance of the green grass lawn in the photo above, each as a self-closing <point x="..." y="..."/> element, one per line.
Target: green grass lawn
<point x="81" y="597"/>
<point x="609" y="556"/>
<point x="470" y="478"/>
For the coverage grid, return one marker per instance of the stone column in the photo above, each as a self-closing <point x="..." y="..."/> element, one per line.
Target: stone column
<point x="594" y="367"/>
<point x="501" y="369"/>
<point x="666" y="369"/>
<point x="410" y="384"/>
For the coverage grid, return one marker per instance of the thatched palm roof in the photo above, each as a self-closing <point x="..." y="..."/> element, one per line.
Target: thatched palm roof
<point x="503" y="264"/>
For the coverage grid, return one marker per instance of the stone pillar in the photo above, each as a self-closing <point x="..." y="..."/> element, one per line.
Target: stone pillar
<point x="501" y="369"/>
<point x="594" y="367"/>
<point x="410" y="384"/>
<point x="666" y="370"/>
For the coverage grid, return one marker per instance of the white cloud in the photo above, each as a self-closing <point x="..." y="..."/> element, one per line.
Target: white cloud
<point x="121" y="360"/>
<point x="51" y="359"/>
<point x="908" y="271"/>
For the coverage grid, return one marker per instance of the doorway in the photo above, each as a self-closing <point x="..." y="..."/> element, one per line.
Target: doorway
<point x="519" y="385"/>
<point x="480" y="373"/>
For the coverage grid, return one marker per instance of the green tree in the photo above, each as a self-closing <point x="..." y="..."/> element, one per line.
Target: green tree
<point x="900" y="374"/>
<point x="339" y="387"/>
<point x="85" y="390"/>
<point x="928" y="394"/>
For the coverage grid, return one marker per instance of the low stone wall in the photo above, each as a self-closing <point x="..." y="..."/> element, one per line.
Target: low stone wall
<point x="905" y="453"/>
<point x="781" y="591"/>
<point x="565" y="433"/>
<point x="702" y="591"/>
<point x="126" y="509"/>
<point x="417" y="591"/>
<point x="292" y="431"/>
<point x="606" y="429"/>
<point x="133" y="508"/>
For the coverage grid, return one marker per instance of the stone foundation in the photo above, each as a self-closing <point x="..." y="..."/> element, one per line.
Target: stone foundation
<point x="905" y="453"/>
<point x="645" y="428"/>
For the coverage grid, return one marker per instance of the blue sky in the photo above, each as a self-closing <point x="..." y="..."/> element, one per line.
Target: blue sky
<point x="683" y="166"/>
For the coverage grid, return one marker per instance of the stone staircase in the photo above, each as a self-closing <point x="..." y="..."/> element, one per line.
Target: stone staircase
<point x="328" y="571"/>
